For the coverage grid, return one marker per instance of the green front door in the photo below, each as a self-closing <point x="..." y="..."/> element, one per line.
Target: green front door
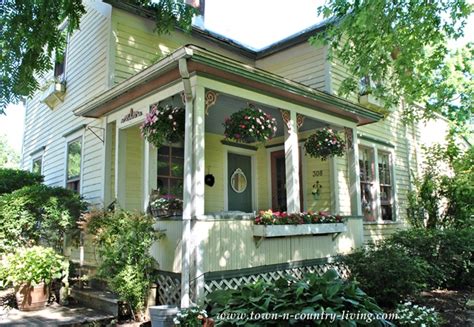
<point x="239" y="177"/>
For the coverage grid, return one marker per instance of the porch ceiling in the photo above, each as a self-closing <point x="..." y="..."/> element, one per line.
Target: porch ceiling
<point x="226" y="105"/>
<point x="206" y="63"/>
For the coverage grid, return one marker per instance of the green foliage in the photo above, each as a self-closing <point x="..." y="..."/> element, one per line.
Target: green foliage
<point x="325" y="143"/>
<point x="412" y="315"/>
<point x="31" y="38"/>
<point x="448" y="253"/>
<point x="164" y="125"/>
<point x="15" y="179"/>
<point x="124" y="240"/>
<point x="32" y="266"/>
<point x="38" y="214"/>
<point x="190" y="317"/>
<point x="250" y="125"/>
<point x="388" y="273"/>
<point x="9" y="158"/>
<point x="442" y="199"/>
<point x="313" y="294"/>
<point x="402" y="47"/>
<point x="459" y="191"/>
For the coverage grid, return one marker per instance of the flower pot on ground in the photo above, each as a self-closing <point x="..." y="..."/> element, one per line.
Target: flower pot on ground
<point x="30" y="271"/>
<point x="325" y="143"/>
<point x="250" y="125"/>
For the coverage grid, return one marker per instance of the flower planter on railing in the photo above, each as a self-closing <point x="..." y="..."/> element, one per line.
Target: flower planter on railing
<point x="294" y="230"/>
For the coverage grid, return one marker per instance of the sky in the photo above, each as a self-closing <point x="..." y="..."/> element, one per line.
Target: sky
<point x="266" y="22"/>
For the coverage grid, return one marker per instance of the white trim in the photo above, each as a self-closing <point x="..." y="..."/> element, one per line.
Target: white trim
<point x="334" y="184"/>
<point x="251" y="95"/>
<point x="376" y="148"/>
<point x="68" y="139"/>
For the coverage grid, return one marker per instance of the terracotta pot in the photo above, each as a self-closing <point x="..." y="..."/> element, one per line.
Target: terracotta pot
<point x="31" y="298"/>
<point x="208" y="322"/>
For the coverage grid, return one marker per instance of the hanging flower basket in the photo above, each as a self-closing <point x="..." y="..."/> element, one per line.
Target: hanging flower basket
<point x="250" y="125"/>
<point x="163" y="125"/>
<point x="325" y="143"/>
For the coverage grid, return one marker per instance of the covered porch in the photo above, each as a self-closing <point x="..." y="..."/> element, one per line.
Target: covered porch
<point x="214" y="231"/>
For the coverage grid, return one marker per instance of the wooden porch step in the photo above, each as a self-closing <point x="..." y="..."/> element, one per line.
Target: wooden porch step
<point x="100" y="300"/>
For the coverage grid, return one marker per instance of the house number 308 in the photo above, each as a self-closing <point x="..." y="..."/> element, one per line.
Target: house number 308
<point x="317" y="173"/>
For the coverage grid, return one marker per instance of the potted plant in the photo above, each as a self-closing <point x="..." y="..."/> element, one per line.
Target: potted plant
<point x="166" y="205"/>
<point x="250" y="125"/>
<point x="163" y="125"/>
<point x="324" y="143"/>
<point x="30" y="271"/>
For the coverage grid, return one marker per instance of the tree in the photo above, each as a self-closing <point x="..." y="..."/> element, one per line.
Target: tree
<point x="31" y="38"/>
<point x="8" y="156"/>
<point x="402" y="46"/>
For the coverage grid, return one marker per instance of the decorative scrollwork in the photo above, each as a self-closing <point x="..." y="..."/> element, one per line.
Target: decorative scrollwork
<point x="210" y="99"/>
<point x="348" y="134"/>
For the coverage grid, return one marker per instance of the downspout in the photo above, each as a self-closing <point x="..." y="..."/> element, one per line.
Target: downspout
<point x="188" y="186"/>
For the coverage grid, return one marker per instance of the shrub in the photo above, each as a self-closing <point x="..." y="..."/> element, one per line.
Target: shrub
<point x="449" y="254"/>
<point x="31" y="266"/>
<point x="15" y="179"/>
<point x="124" y="240"/>
<point x="38" y="214"/>
<point x="388" y="273"/>
<point x="190" y="317"/>
<point x="324" y="295"/>
<point x="410" y="314"/>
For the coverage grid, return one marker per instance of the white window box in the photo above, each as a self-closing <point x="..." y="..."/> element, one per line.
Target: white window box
<point x="369" y="101"/>
<point x="53" y="94"/>
<point x="293" y="230"/>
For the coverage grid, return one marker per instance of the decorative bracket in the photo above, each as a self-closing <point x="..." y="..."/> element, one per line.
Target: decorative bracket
<point x="210" y="99"/>
<point x="285" y="115"/>
<point x="90" y="128"/>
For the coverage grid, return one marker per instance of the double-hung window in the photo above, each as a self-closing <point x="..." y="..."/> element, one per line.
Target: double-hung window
<point x="171" y="170"/>
<point x="37" y="165"/>
<point x="74" y="158"/>
<point x="376" y="184"/>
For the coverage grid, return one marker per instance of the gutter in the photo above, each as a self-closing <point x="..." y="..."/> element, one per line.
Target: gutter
<point x="188" y="184"/>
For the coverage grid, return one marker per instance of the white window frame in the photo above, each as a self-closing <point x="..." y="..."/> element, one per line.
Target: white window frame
<point x="376" y="149"/>
<point x="33" y="160"/>
<point x="79" y="135"/>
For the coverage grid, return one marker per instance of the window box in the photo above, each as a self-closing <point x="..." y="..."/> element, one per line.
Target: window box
<point x="53" y="94"/>
<point x="369" y="101"/>
<point x="294" y="230"/>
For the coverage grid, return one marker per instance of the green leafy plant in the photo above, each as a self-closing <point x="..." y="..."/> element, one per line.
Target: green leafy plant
<point x="15" y="179"/>
<point x="448" y="253"/>
<point x="32" y="266"/>
<point x="388" y="273"/>
<point x="324" y="143"/>
<point x="270" y="217"/>
<point x="312" y="295"/>
<point x="39" y="213"/>
<point x="163" y="125"/>
<point x="410" y="314"/>
<point x="190" y="317"/>
<point x="123" y="240"/>
<point x="250" y="125"/>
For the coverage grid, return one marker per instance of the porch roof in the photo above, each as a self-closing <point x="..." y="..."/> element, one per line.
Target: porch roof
<point x="210" y="64"/>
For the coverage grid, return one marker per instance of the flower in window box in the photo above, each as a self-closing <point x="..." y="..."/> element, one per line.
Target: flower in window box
<point x="250" y="125"/>
<point x="325" y="143"/>
<point x="163" y="125"/>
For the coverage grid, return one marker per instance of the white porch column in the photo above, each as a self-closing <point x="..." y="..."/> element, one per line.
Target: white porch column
<point x="198" y="149"/>
<point x="146" y="174"/>
<point x="187" y="198"/>
<point x="120" y="159"/>
<point x="292" y="165"/>
<point x="196" y="270"/>
<point x="354" y="175"/>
